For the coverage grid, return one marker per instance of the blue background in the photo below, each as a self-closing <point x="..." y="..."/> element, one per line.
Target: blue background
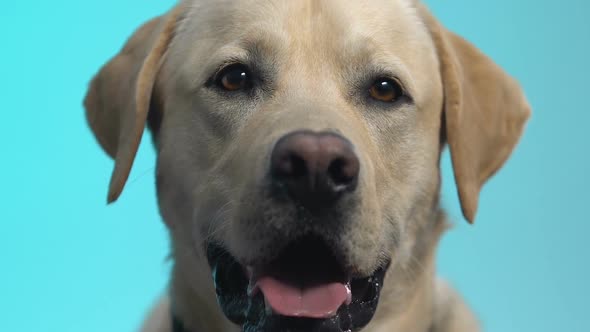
<point x="70" y="263"/>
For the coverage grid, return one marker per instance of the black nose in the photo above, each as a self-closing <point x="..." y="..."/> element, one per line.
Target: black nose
<point x="314" y="169"/>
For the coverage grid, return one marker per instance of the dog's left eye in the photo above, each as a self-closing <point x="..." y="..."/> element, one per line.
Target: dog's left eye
<point x="233" y="78"/>
<point x="386" y="90"/>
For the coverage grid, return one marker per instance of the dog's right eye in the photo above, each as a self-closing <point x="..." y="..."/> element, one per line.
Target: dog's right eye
<point x="234" y="78"/>
<point x="386" y="90"/>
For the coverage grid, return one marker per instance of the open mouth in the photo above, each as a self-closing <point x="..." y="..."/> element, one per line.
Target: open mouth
<point x="304" y="288"/>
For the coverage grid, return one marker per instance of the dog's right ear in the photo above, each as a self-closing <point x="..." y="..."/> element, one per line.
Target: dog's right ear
<point x="118" y="99"/>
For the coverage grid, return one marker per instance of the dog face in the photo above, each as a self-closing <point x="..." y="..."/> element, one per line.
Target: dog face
<point x="298" y="147"/>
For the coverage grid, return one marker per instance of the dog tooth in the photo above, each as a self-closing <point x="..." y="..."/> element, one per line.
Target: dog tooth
<point x="348" y="294"/>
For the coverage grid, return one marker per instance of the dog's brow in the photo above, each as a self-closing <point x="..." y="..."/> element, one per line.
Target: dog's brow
<point x="262" y="42"/>
<point x="366" y="53"/>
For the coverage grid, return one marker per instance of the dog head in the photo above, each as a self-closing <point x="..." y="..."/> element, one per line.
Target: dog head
<point x="298" y="146"/>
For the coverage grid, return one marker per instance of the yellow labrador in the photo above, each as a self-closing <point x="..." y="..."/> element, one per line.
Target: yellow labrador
<point x="298" y="148"/>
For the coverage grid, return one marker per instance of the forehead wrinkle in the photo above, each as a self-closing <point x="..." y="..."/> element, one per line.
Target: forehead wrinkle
<point x="314" y="25"/>
<point x="263" y="40"/>
<point x="327" y="30"/>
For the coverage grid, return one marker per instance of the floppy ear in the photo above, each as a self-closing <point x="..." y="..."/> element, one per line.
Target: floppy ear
<point x="485" y="112"/>
<point x="118" y="99"/>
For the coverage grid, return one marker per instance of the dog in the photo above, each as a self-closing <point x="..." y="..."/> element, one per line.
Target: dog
<point x="298" y="158"/>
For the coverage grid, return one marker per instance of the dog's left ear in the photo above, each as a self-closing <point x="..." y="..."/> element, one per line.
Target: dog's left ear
<point x="118" y="99"/>
<point x="485" y="112"/>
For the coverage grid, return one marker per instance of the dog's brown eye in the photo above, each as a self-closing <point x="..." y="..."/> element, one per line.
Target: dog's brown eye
<point x="234" y="78"/>
<point x="386" y="90"/>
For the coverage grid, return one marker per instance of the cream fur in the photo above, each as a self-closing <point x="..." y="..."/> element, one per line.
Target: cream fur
<point x="212" y="150"/>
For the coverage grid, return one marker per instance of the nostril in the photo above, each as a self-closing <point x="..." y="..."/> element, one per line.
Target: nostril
<point x="337" y="172"/>
<point x="343" y="171"/>
<point x="298" y="166"/>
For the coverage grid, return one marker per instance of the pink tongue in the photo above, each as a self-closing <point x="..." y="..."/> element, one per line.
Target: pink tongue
<point x="320" y="301"/>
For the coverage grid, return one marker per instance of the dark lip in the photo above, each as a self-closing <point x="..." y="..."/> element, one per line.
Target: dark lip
<point x="232" y="283"/>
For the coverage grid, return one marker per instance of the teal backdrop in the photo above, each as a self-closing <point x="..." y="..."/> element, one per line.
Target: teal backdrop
<point x="70" y="263"/>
